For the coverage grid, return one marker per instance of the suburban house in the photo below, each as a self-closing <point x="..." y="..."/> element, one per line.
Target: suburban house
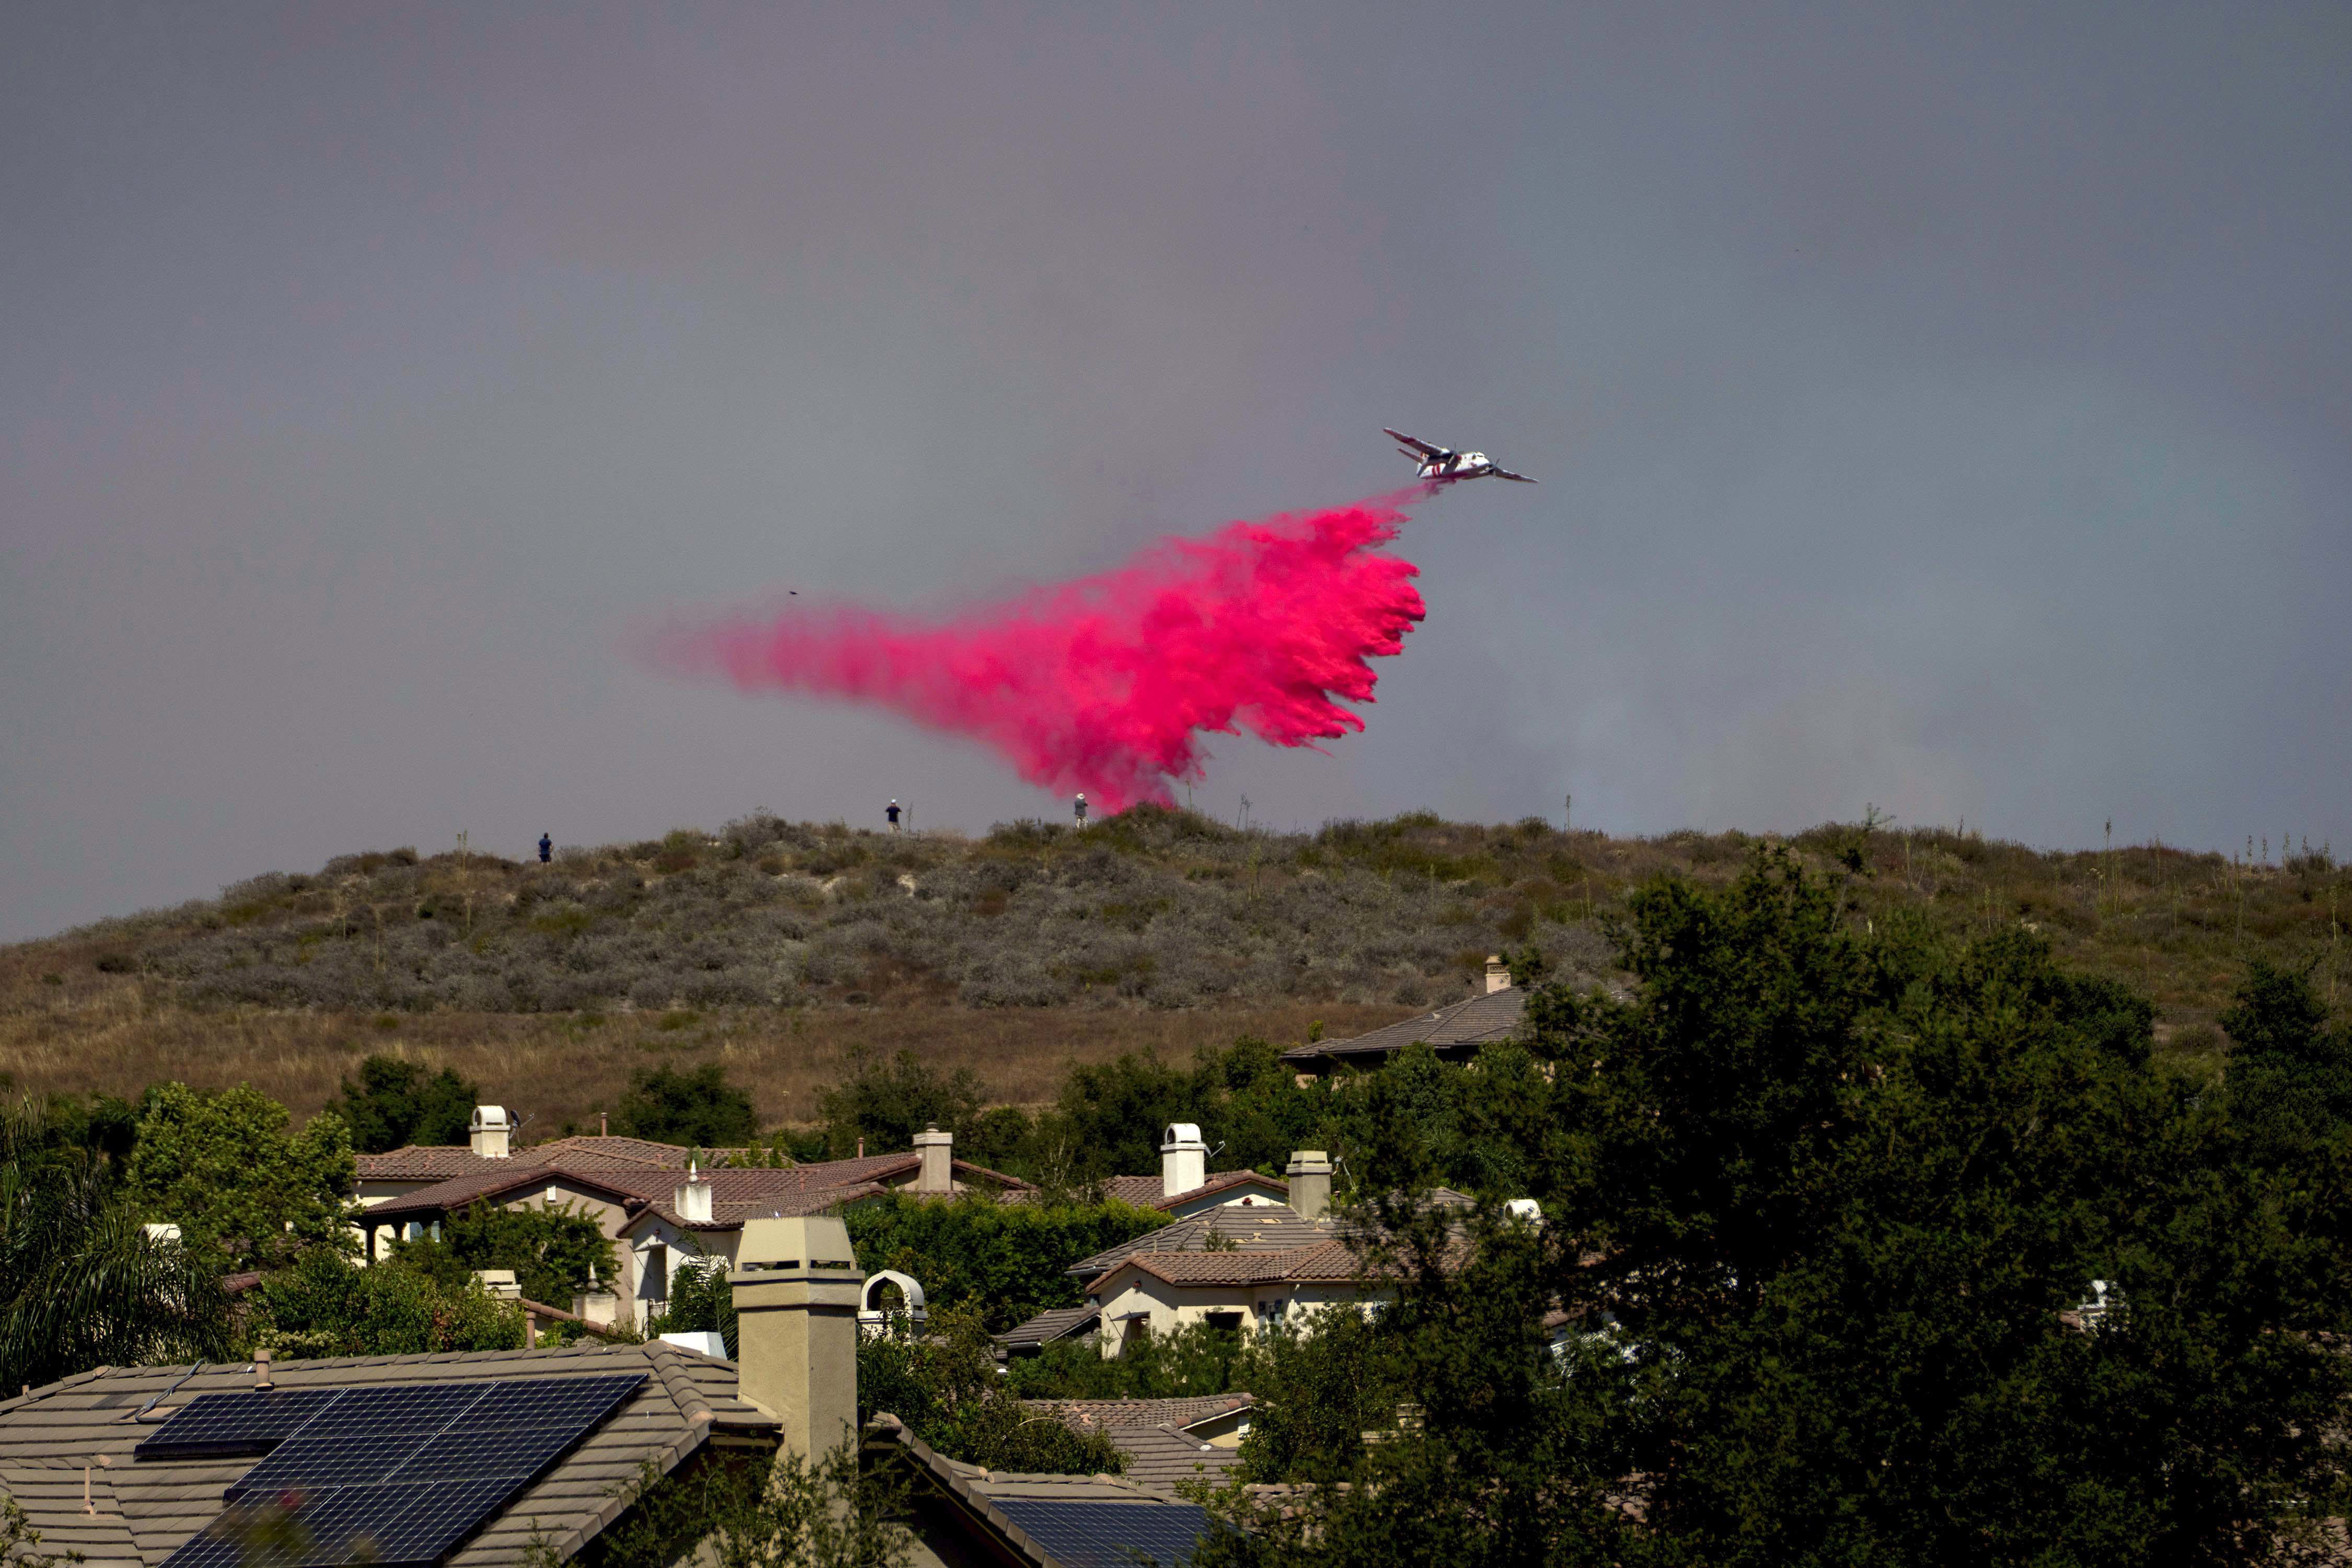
<point x="506" y="1457"/>
<point x="1246" y="1264"/>
<point x="1165" y="1441"/>
<point x="659" y="1207"/>
<point x="1455" y="1032"/>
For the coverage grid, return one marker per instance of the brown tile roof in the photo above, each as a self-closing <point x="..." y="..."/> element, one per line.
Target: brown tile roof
<point x="1480" y="1020"/>
<point x="1144" y="1192"/>
<point x="1159" y="1457"/>
<point x="737" y="1192"/>
<point x="1084" y="1414"/>
<point x="1260" y="1227"/>
<point x="145" y="1510"/>
<point x="440" y="1162"/>
<point x="1054" y="1323"/>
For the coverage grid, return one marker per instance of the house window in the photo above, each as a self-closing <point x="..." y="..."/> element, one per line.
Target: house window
<point x="1134" y="1334"/>
<point x="1226" y="1322"/>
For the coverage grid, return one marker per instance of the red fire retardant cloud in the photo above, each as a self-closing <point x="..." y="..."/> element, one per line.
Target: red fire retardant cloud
<point x="1107" y="684"/>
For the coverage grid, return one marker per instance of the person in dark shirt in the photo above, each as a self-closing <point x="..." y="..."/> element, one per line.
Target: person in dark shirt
<point x="892" y="814"/>
<point x="1079" y="808"/>
<point x="546" y="849"/>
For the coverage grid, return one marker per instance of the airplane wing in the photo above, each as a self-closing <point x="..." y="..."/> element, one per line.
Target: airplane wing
<point x="1423" y="447"/>
<point x="1507" y="474"/>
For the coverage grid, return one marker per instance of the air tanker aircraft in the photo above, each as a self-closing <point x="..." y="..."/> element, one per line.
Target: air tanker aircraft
<point x="1442" y="465"/>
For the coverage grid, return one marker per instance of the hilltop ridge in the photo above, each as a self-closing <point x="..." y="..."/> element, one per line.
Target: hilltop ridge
<point x="776" y="945"/>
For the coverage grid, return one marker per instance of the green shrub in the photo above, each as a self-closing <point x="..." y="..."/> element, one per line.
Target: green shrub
<point x="553" y="1250"/>
<point x="1006" y="1261"/>
<point x="324" y="1305"/>
<point x="697" y="1107"/>
<point x="392" y="1104"/>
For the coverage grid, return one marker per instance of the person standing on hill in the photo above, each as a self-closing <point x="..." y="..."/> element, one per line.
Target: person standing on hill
<point x="546" y="849"/>
<point x="892" y="814"/>
<point x="1079" y="808"/>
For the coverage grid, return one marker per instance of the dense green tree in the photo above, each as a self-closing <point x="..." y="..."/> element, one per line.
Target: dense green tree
<point x="885" y="1103"/>
<point x="1008" y="1260"/>
<point x="325" y="1305"/>
<point x="2290" y="1077"/>
<point x="1196" y="1359"/>
<point x="229" y="1168"/>
<point x="695" y="1107"/>
<point x="81" y="1281"/>
<point x="554" y="1250"/>
<point x="391" y="1103"/>
<point x="1824" y="1207"/>
<point x="945" y="1386"/>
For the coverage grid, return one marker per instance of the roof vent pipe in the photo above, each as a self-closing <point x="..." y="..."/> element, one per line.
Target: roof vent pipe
<point x="1184" y="1159"/>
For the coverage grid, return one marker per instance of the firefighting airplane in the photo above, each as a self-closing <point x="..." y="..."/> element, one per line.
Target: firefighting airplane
<point x="1442" y="465"/>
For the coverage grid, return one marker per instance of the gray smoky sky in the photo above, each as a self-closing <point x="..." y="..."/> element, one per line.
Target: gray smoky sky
<point x="1943" y="407"/>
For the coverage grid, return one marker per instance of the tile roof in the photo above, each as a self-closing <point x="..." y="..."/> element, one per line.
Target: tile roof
<point x="1263" y="1228"/>
<point x="1144" y="1192"/>
<point x="429" y="1162"/>
<point x="1053" y="1521"/>
<point x="1088" y="1414"/>
<point x="144" y="1509"/>
<point x="1480" y="1020"/>
<point x="737" y="1192"/>
<point x="1159" y="1457"/>
<point x="1056" y="1323"/>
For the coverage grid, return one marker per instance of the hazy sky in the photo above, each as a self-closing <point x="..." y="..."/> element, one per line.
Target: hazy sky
<point x="1943" y="407"/>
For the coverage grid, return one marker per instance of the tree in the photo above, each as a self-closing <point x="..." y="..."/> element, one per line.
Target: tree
<point x="885" y="1104"/>
<point x="1009" y="1260"/>
<point x="2290" y="1077"/>
<point x="701" y="1301"/>
<point x="82" y="1283"/>
<point x="698" y="1108"/>
<point x="553" y="1250"/>
<point x="392" y="1103"/>
<point x="324" y="1305"/>
<point x="946" y="1388"/>
<point x="736" y="1510"/>
<point x="229" y="1169"/>
<point x="1821" y="1209"/>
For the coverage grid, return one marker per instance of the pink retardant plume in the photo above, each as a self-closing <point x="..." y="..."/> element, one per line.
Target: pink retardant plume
<point x="1107" y="684"/>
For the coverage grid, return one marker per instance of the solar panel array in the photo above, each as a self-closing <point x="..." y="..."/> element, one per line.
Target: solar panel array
<point x="1109" y="1534"/>
<point x="391" y="1473"/>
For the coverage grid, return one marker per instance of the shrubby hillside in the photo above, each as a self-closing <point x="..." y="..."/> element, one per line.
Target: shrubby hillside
<point x="780" y="949"/>
<point x="1157" y="909"/>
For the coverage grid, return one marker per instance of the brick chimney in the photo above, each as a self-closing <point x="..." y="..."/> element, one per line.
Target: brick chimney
<point x="489" y="1132"/>
<point x="797" y="1292"/>
<point x="1498" y="974"/>
<point x="1310" y="1183"/>
<point x="1184" y="1159"/>
<point x="692" y="1198"/>
<point x="937" y="1177"/>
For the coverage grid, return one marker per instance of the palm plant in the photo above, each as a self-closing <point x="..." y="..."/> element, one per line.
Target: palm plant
<point x="82" y="1283"/>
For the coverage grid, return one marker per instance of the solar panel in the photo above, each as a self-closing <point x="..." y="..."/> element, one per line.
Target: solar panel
<point x="1109" y="1534"/>
<point x="230" y="1423"/>
<point x="390" y="1473"/>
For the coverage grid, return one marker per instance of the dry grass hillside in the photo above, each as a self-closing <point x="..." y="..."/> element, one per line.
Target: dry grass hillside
<point x="777" y="948"/>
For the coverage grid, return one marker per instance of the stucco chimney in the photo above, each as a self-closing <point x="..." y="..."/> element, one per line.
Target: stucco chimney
<point x="1499" y="976"/>
<point x="1310" y="1183"/>
<point x="692" y="1198"/>
<point x="796" y="1285"/>
<point x="1184" y="1159"/>
<point x="938" y="1150"/>
<point x="489" y="1132"/>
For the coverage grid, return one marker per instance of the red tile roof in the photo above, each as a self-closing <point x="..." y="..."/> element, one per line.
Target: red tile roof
<point x="1144" y="1192"/>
